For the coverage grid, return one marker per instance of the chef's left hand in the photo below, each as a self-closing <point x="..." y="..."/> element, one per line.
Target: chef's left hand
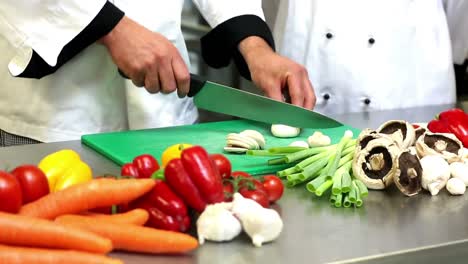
<point x="274" y="73"/>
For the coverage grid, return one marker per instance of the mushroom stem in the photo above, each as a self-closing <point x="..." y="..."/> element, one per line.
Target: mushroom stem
<point x="411" y="172"/>
<point x="376" y="162"/>
<point x="440" y="145"/>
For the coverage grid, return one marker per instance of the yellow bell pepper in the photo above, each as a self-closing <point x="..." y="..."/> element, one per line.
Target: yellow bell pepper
<point x="64" y="168"/>
<point x="172" y="152"/>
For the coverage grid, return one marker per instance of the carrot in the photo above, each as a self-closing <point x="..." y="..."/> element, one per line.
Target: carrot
<point x="20" y="230"/>
<point x="135" y="217"/>
<point x="23" y="255"/>
<point x="133" y="238"/>
<point x="92" y="194"/>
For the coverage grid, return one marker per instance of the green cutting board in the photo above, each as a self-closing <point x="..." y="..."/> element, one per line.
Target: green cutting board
<point x="122" y="147"/>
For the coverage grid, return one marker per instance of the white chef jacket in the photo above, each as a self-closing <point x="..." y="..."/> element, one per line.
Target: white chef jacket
<point x="87" y="95"/>
<point x="371" y="55"/>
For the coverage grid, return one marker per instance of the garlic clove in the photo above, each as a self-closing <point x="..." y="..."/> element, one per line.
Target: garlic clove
<point x="299" y="143"/>
<point x="217" y="223"/>
<point x="284" y="131"/>
<point x="459" y="170"/>
<point x="456" y="186"/>
<point x="257" y="136"/>
<point x="318" y="139"/>
<point x="247" y="141"/>
<point x="235" y="150"/>
<point x="238" y="143"/>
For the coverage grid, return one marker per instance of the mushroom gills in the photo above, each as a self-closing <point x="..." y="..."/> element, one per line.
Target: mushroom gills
<point x="378" y="163"/>
<point x="409" y="173"/>
<point x="441" y="143"/>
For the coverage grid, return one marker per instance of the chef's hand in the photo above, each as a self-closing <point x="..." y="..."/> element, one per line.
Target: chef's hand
<point x="147" y="58"/>
<point x="273" y="73"/>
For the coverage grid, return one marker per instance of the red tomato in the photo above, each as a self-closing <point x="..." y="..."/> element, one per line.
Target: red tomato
<point x="146" y="165"/>
<point x="223" y="165"/>
<point x="274" y="187"/>
<point x="228" y="190"/>
<point x="129" y="169"/>
<point x="256" y="195"/>
<point x="33" y="182"/>
<point x="10" y="193"/>
<point x="243" y="174"/>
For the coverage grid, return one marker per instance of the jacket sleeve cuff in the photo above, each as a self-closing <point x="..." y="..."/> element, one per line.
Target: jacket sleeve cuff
<point x="220" y="45"/>
<point x="102" y="24"/>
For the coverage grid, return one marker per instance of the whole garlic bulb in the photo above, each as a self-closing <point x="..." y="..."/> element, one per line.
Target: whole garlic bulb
<point x="217" y="223"/>
<point x="456" y="186"/>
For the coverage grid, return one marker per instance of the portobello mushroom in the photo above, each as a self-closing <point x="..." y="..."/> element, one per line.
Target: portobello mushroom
<point x="418" y="133"/>
<point x="400" y="131"/>
<point x="443" y="144"/>
<point x="408" y="175"/>
<point x="375" y="164"/>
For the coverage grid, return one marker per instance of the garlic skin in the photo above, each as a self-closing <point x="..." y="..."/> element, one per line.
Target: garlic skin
<point x="299" y="143"/>
<point x="261" y="224"/>
<point x="217" y="223"/>
<point x="455" y="186"/>
<point x="284" y="131"/>
<point x="436" y="173"/>
<point x="459" y="170"/>
<point x="318" y="139"/>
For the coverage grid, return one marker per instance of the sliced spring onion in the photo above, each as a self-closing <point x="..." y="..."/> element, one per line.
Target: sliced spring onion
<point x="276" y="161"/>
<point x="312" y="169"/>
<point x="306" y="153"/>
<point x="314" y="184"/>
<point x="284" y="150"/>
<point x="363" y="192"/>
<point x="346" y="202"/>
<point x="324" y="187"/>
<point x="346" y="182"/>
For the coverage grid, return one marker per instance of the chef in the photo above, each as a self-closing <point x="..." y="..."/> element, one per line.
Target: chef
<point x="373" y="55"/>
<point x="68" y="53"/>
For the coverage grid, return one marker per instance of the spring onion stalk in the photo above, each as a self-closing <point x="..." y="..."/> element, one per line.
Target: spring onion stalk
<point x="287" y="171"/>
<point x="348" y="135"/>
<point x="312" y="169"/>
<point x="293" y="177"/>
<point x="308" y="161"/>
<point x="306" y="153"/>
<point x="358" y="202"/>
<point x="290" y="184"/>
<point x="363" y="192"/>
<point x="324" y="187"/>
<point x="285" y="150"/>
<point x="339" y="200"/>
<point x="353" y="193"/>
<point x="262" y="152"/>
<point x="346" y="182"/>
<point x="314" y="184"/>
<point x="346" y="202"/>
<point x="333" y="199"/>
<point x="336" y="189"/>
<point x="276" y="161"/>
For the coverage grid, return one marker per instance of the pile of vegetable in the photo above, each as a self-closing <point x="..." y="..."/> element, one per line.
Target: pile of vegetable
<point x="415" y="157"/>
<point x="325" y="169"/>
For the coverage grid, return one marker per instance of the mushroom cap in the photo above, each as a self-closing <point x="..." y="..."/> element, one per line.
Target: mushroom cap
<point x="375" y="164"/>
<point x="408" y="175"/>
<point x="400" y="130"/>
<point x="445" y="145"/>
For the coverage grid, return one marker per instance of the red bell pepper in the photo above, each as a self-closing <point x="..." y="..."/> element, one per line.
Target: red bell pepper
<point x="195" y="178"/>
<point x="166" y="210"/>
<point x="143" y="166"/>
<point x="453" y="121"/>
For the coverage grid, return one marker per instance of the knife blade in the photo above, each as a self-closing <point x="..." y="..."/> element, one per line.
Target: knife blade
<point x="223" y="99"/>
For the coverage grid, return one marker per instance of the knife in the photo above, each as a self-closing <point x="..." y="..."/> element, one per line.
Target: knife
<point x="226" y="100"/>
<point x="223" y="99"/>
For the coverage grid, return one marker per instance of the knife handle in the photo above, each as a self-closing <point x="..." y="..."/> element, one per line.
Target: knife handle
<point x="196" y="83"/>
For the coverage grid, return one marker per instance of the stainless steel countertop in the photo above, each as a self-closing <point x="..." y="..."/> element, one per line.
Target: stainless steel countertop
<point x="390" y="228"/>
